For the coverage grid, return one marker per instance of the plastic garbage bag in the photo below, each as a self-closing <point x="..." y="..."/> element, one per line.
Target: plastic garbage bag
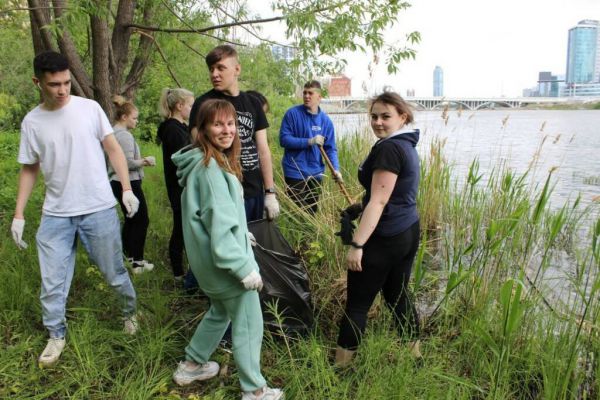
<point x="286" y="284"/>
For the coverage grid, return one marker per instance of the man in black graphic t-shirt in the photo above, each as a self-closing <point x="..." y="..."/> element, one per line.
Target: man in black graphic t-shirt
<point x="259" y="191"/>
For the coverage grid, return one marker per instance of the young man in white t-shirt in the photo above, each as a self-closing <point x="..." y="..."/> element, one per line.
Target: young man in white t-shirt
<point x="64" y="137"/>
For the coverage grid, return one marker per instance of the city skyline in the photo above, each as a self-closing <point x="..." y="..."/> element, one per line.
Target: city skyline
<point x="486" y="49"/>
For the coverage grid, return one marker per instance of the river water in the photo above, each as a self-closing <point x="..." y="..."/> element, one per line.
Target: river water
<point x="540" y="139"/>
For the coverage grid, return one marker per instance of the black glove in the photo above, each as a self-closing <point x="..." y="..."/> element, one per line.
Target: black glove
<point x="346" y="230"/>
<point x="347" y="226"/>
<point x="352" y="211"/>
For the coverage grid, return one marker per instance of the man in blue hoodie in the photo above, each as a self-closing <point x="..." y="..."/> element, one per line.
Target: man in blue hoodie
<point x="304" y="129"/>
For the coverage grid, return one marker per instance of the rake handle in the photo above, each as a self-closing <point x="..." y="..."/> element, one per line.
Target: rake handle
<point x="335" y="177"/>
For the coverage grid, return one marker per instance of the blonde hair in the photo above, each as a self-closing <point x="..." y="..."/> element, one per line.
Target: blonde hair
<point x="169" y="100"/>
<point x="122" y="107"/>
<point x="228" y="159"/>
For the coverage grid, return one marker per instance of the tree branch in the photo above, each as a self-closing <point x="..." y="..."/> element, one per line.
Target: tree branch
<point x="251" y="32"/>
<point x="208" y="29"/>
<point x="196" y="31"/>
<point x="237" y="23"/>
<point x="9" y="10"/>
<point x="162" y="55"/>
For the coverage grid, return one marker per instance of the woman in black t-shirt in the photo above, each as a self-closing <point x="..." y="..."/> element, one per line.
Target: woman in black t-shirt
<point x="174" y="106"/>
<point x="386" y="241"/>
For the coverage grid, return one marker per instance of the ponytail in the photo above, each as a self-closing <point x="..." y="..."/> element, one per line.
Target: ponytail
<point x="169" y="100"/>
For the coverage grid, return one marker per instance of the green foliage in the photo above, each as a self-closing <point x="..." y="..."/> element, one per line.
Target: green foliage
<point x="17" y="93"/>
<point x="11" y="112"/>
<point x="328" y="27"/>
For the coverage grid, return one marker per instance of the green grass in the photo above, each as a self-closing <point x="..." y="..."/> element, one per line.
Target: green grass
<point x="479" y="280"/>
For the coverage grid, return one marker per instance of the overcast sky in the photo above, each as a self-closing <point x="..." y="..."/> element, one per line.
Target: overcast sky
<point x="485" y="47"/>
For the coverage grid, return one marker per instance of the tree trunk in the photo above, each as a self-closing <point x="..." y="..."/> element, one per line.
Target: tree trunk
<point x="120" y="40"/>
<point x="68" y="49"/>
<point x="142" y="57"/>
<point x="38" y="17"/>
<point x="100" y="62"/>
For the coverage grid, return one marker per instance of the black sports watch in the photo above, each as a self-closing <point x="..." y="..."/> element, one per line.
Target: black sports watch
<point x="270" y="190"/>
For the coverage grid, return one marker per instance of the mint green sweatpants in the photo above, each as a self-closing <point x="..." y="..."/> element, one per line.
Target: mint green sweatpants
<point x="246" y="332"/>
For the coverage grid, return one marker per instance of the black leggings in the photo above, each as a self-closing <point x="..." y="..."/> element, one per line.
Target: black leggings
<point x="134" y="228"/>
<point x="176" y="243"/>
<point x="386" y="267"/>
<point x="305" y="193"/>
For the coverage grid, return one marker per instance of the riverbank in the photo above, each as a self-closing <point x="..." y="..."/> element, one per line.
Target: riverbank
<point x="582" y="105"/>
<point x="487" y="331"/>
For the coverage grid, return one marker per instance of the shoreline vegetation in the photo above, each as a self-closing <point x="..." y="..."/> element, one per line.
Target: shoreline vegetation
<point x="578" y="105"/>
<point x="493" y="328"/>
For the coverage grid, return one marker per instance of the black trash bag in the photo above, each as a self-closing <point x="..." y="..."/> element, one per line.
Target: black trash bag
<point x="285" y="280"/>
<point x="346" y="225"/>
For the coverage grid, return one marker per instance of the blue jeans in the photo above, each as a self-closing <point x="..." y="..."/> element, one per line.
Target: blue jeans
<point x="57" y="245"/>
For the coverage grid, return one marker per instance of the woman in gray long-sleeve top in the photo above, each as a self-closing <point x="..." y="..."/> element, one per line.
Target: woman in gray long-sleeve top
<point x="136" y="227"/>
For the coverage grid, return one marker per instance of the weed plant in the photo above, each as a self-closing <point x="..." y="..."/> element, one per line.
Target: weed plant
<point x="493" y="328"/>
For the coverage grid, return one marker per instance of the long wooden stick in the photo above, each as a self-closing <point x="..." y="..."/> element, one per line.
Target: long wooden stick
<point x="335" y="176"/>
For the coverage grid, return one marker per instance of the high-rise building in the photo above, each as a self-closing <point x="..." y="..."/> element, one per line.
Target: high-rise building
<point x="438" y="81"/>
<point x="280" y="52"/>
<point x="547" y="84"/>
<point x="583" y="53"/>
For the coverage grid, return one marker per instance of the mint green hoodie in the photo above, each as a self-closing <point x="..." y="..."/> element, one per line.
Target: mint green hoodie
<point x="214" y="225"/>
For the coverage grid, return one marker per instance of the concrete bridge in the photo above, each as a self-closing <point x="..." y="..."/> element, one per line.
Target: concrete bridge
<point x="354" y="104"/>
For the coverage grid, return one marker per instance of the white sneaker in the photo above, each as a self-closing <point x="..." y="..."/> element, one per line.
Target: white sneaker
<point x="52" y="352"/>
<point x="139" y="267"/>
<point x="184" y="375"/>
<point x="130" y="325"/>
<point x="267" y="394"/>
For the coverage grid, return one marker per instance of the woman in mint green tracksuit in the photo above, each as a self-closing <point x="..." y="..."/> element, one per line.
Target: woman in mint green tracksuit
<point x="220" y="253"/>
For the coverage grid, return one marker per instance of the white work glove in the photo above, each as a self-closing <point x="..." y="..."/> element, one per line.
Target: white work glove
<point x="317" y="139"/>
<point x="150" y="161"/>
<point x="17" y="227"/>
<point x="271" y="206"/>
<point x="337" y="176"/>
<point x="131" y="203"/>
<point x="252" y="239"/>
<point x="253" y="281"/>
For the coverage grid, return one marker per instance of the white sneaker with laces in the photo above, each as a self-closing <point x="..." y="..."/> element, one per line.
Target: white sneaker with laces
<point x="267" y="394"/>
<point x="52" y="352"/>
<point x="186" y="374"/>
<point x="139" y="267"/>
<point x="130" y="325"/>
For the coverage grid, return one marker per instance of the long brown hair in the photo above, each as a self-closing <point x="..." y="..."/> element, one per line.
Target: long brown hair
<point x="228" y="159"/>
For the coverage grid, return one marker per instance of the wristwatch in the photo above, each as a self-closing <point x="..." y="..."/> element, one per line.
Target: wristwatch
<point x="269" y="190"/>
<point x="356" y="245"/>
